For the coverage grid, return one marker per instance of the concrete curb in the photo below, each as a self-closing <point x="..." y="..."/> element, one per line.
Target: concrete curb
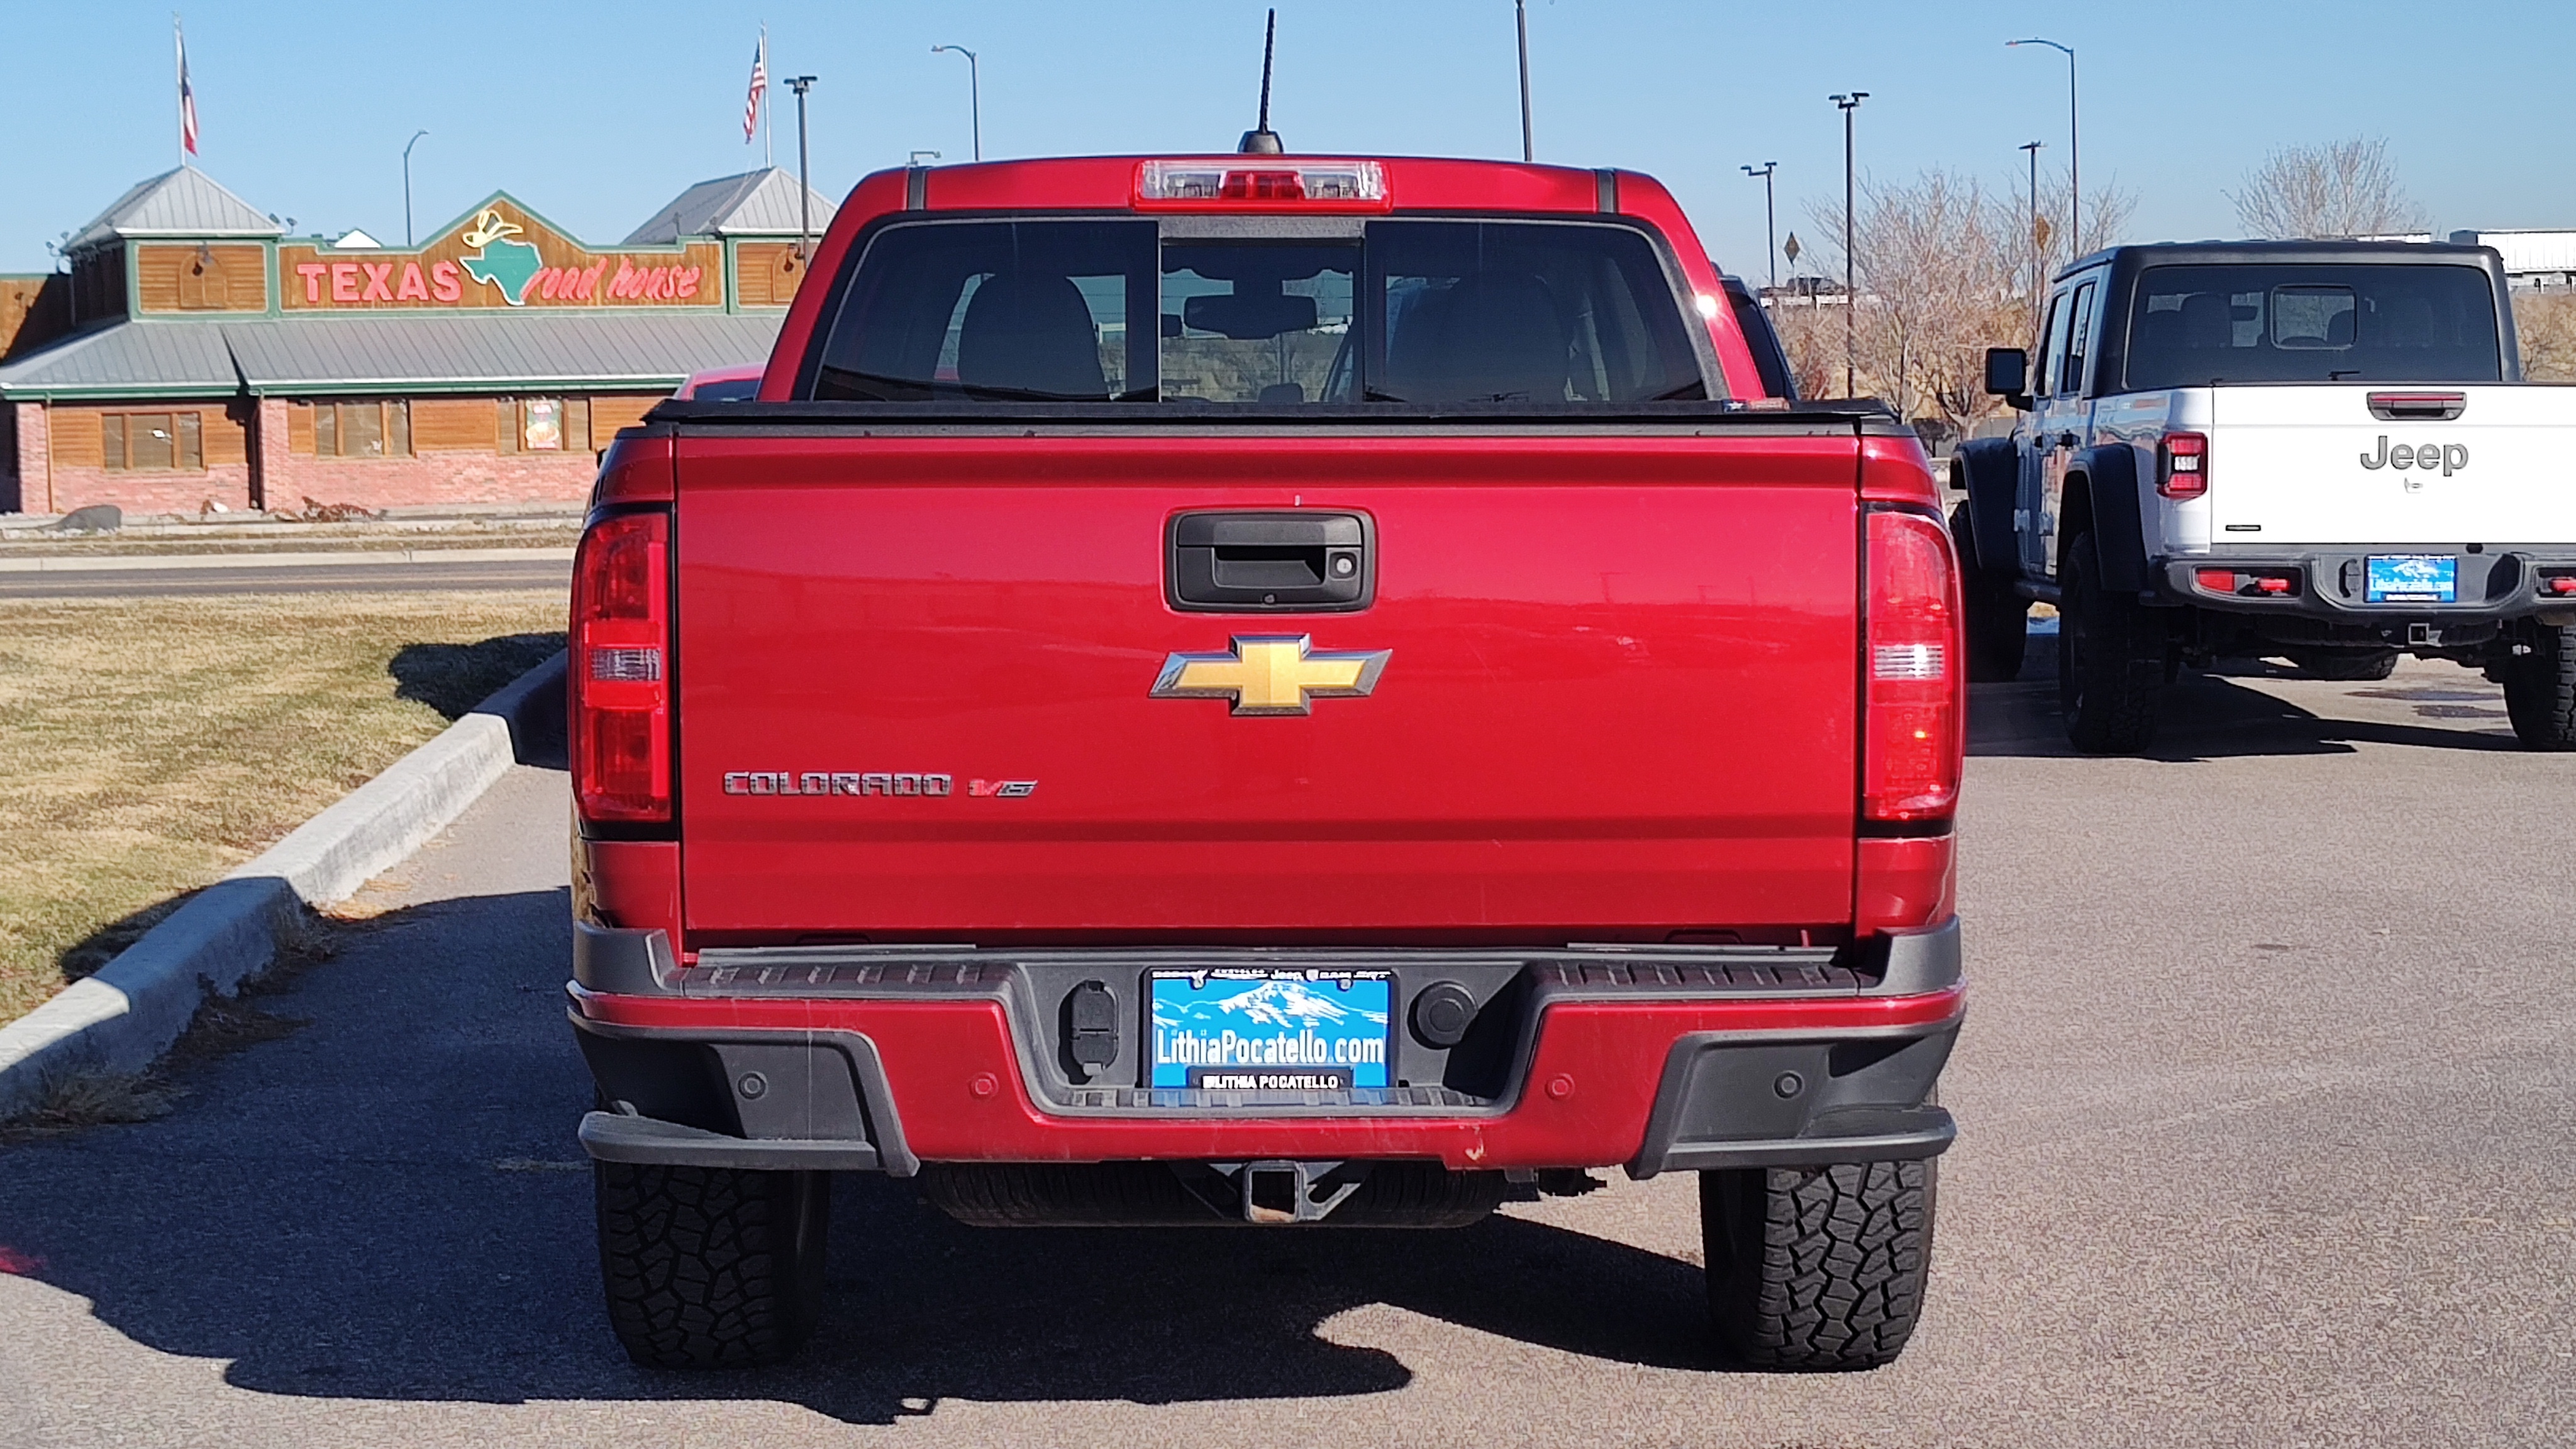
<point x="124" y="1017"/>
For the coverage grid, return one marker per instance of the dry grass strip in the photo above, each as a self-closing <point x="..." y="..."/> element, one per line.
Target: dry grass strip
<point x="149" y="745"/>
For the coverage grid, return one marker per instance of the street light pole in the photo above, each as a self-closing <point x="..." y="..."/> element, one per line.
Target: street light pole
<point x="974" y="91"/>
<point x="2074" y="151"/>
<point x="1851" y="254"/>
<point x="2036" y="260"/>
<point x="1770" y="219"/>
<point x="800" y="84"/>
<point x="1520" y="15"/>
<point x="407" y="145"/>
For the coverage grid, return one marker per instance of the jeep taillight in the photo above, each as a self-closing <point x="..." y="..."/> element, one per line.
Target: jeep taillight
<point x="620" y="668"/>
<point x="1912" y="739"/>
<point x="2182" y="465"/>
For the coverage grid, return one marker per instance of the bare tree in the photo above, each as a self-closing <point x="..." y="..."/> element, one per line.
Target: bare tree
<point x="1946" y="271"/>
<point x="2347" y="189"/>
<point x="2546" y="326"/>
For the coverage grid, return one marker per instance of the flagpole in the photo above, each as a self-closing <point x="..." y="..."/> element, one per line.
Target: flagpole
<point x="768" y="156"/>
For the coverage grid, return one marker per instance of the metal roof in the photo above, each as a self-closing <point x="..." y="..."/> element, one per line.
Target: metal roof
<point x="185" y="202"/>
<point x="643" y="350"/>
<point x="756" y="203"/>
<point x="145" y="357"/>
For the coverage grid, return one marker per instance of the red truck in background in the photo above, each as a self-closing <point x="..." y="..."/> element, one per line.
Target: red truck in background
<point x="1264" y="690"/>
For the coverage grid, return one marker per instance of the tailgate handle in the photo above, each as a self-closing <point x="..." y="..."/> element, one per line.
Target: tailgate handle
<point x="2418" y="407"/>
<point x="1301" y="561"/>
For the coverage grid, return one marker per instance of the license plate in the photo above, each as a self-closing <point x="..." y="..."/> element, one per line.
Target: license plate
<point x="2412" y="578"/>
<point x="1267" y="1029"/>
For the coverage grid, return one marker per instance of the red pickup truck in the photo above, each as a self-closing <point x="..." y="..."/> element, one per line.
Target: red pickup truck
<point x="1264" y="690"/>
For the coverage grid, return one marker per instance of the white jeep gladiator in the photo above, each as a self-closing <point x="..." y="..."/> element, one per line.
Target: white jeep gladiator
<point x="2322" y="451"/>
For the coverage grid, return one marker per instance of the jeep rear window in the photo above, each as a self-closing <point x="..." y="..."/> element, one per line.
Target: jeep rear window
<point x="1109" y="311"/>
<point x="2294" y="322"/>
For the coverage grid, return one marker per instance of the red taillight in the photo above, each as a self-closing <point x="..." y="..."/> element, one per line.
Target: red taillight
<point x="2246" y="585"/>
<point x="2558" y="584"/>
<point x="620" y="672"/>
<point x="1912" y="740"/>
<point x="1313" y="185"/>
<point x="2182" y="465"/>
<point x="1261" y="186"/>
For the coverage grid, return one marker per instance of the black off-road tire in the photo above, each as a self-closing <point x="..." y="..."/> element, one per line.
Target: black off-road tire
<point x="2111" y="653"/>
<point x="710" y="1267"/>
<point x="1998" y="619"/>
<point x="2345" y="663"/>
<point x="1818" y="1269"/>
<point x="2540" y="690"/>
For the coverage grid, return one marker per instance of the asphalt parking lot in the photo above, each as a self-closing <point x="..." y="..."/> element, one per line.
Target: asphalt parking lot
<point x="2267" y="1095"/>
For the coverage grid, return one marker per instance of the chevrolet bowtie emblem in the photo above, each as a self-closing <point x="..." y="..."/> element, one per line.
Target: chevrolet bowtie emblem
<point x="1269" y="674"/>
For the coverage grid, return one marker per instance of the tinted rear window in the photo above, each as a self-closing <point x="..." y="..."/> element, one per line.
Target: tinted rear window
<point x="2286" y="322"/>
<point x="1763" y="341"/>
<point x="1108" y="311"/>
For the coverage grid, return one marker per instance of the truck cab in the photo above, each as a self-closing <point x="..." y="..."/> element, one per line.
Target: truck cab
<point x="2322" y="451"/>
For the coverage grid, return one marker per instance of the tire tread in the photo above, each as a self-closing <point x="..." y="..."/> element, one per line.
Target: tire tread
<point x="709" y="1267"/>
<point x="1819" y="1269"/>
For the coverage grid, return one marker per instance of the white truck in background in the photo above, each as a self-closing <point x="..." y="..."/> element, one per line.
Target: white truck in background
<point x="2317" y="450"/>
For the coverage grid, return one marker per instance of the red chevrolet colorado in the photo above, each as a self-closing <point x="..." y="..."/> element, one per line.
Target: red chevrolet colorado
<point x="1264" y="690"/>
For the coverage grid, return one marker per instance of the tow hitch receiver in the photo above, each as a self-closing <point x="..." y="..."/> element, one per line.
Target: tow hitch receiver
<point x="1276" y="1193"/>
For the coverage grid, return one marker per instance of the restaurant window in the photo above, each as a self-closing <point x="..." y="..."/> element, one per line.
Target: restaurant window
<point x="362" y="429"/>
<point x="152" y="442"/>
<point x="545" y="425"/>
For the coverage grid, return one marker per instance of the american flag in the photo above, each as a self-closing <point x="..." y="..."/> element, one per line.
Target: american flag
<point x="759" y="89"/>
<point x="187" y="98"/>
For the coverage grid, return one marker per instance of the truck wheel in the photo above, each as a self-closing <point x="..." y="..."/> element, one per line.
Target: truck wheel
<point x="2540" y="690"/>
<point x="2110" y="660"/>
<point x="1818" y="1268"/>
<point x="1998" y="622"/>
<point x="2345" y="663"/>
<point x="711" y="1267"/>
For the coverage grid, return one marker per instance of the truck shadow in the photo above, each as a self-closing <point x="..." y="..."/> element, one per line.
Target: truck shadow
<point x="388" y="1204"/>
<point x="2226" y="714"/>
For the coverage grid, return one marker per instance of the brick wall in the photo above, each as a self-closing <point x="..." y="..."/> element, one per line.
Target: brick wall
<point x="268" y="460"/>
<point x="429" y="477"/>
<point x="35" y="458"/>
<point x="76" y="486"/>
<point x="271" y="464"/>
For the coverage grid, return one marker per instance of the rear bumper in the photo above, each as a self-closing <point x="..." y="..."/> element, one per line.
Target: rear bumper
<point x="2495" y="586"/>
<point x="1648" y="1060"/>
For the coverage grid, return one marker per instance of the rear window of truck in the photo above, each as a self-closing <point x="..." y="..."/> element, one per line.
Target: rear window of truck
<point x="1405" y="311"/>
<point x="2411" y="322"/>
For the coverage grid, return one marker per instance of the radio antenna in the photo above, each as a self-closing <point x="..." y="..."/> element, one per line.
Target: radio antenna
<point x="1264" y="141"/>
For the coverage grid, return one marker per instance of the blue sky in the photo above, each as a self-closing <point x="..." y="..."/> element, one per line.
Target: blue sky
<point x="596" y="115"/>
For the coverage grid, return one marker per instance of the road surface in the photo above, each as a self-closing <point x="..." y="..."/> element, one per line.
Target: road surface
<point x="2267" y="1093"/>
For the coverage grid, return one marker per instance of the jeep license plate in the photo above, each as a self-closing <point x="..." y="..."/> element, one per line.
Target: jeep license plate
<point x="2412" y="578"/>
<point x="1271" y="1029"/>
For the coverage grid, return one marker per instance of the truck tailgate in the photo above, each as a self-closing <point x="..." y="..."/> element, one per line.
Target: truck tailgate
<point x="2314" y="465"/>
<point x="1621" y="689"/>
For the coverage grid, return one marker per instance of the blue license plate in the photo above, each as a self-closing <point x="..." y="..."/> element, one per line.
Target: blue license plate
<point x="2412" y="578"/>
<point x="1269" y="1029"/>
